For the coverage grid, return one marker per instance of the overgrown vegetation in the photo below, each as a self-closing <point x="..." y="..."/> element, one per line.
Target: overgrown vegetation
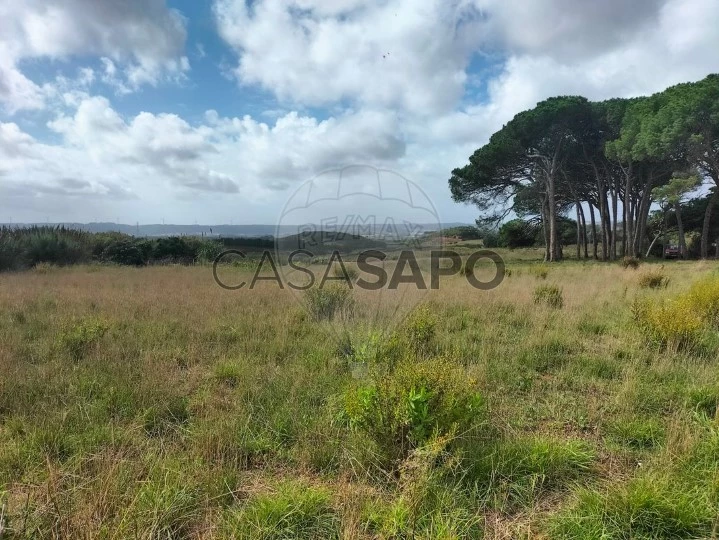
<point x="550" y="295"/>
<point x="22" y="248"/>
<point x="151" y="403"/>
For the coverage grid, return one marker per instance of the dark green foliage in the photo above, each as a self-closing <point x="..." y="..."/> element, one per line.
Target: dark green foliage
<point x="463" y="233"/>
<point x="125" y="252"/>
<point x="517" y="233"/>
<point x="22" y="248"/>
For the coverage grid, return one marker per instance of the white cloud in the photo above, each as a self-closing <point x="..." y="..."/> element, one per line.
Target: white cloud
<point x="163" y="157"/>
<point x="398" y="53"/>
<point x="395" y="78"/>
<point x="144" y="36"/>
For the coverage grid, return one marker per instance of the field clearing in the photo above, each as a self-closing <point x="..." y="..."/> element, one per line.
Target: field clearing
<point x="151" y="403"/>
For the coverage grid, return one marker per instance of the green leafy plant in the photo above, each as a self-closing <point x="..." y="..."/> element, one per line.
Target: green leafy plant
<point x="401" y="411"/>
<point x="77" y="339"/>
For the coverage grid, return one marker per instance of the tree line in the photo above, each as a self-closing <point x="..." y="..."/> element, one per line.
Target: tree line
<point x="609" y="163"/>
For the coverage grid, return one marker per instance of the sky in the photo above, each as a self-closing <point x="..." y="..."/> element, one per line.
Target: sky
<point x="218" y="111"/>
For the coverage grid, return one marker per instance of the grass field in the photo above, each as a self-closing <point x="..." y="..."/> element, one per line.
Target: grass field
<point x="574" y="401"/>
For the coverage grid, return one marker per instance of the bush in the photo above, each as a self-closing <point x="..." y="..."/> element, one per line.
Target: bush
<point x="653" y="279"/>
<point x="125" y="252"/>
<point x="672" y="323"/>
<point x="293" y="511"/>
<point x="420" y="329"/>
<point x="22" y="248"/>
<point x="401" y="411"/>
<point x="209" y="250"/>
<point x="550" y="295"/>
<point x="704" y="297"/>
<point x="630" y="262"/>
<point x="76" y="340"/>
<point x="328" y="301"/>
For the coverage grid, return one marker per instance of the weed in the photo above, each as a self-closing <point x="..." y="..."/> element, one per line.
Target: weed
<point x="419" y="400"/>
<point x="292" y="511"/>
<point x="550" y="295"/>
<point x="637" y="434"/>
<point x="653" y="279"/>
<point x="630" y="262"/>
<point x="77" y="339"/>
<point x="329" y="301"/>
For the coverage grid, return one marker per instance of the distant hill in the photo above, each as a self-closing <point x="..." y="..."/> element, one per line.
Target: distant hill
<point x="225" y="231"/>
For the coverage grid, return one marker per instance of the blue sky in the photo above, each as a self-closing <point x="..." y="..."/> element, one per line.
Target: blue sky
<point x="218" y="111"/>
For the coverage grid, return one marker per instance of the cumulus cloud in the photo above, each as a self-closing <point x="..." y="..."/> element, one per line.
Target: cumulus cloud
<point x="410" y="85"/>
<point x="102" y="153"/>
<point x="397" y="53"/>
<point x="144" y="36"/>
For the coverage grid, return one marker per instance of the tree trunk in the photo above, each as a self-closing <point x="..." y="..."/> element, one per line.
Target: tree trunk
<point x="585" y="239"/>
<point x="628" y="225"/>
<point x="595" y="246"/>
<point x="545" y="228"/>
<point x="579" y="233"/>
<point x="706" y="224"/>
<point x="680" y="229"/>
<point x="640" y="229"/>
<point x="553" y="236"/>
<point x="615" y="212"/>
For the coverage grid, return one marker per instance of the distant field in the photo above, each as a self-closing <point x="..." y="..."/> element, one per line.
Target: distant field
<point x="576" y="400"/>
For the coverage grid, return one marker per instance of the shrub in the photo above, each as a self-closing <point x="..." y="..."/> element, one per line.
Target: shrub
<point x="630" y="262"/>
<point x="550" y="295"/>
<point x="653" y="279"/>
<point x="328" y="301"/>
<point x="293" y="511"/>
<point x="403" y="410"/>
<point x="672" y="323"/>
<point x="77" y="340"/>
<point x="125" y="252"/>
<point x="704" y="297"/>
<point x="208" y="250"/>
<point x="420" y="329"/>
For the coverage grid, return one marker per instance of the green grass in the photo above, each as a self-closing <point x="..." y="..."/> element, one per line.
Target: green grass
<point x="151" y="403"/>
